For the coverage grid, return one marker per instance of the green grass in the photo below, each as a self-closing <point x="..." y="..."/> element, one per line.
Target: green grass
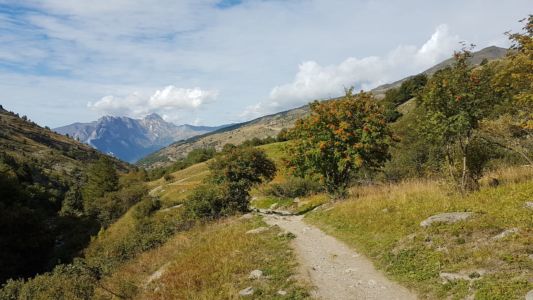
<point x="383" y="223"/>
<point x="268" y="201"/>
<point x="304" y="205"/>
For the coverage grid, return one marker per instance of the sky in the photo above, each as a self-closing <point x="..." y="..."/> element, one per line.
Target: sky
<point x="212" y="62"/>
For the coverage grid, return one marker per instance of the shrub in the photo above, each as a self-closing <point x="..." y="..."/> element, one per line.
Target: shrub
<point x="146" y="207"/>
<point x="168" y="177"/>
<point x="207" y="202"/>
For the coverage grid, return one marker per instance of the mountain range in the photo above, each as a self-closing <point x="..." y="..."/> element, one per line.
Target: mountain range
<point x="130" y="139"/>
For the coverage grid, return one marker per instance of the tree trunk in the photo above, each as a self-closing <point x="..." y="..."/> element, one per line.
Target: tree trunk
<point x="464" y="178"/>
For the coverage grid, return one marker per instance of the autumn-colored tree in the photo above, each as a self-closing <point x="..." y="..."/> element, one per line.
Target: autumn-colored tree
<point x="338" y="138"/>
<point x="513" y="81"/>
<point x="455" y="100"/>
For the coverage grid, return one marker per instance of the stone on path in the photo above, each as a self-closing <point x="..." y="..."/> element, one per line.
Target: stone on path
<point x="447" y="218"/>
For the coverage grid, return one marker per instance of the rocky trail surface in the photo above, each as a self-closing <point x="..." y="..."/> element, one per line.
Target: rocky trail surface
<point x="336" y="271"/>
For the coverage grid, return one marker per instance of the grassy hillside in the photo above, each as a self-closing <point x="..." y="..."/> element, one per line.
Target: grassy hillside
<point x="211" y="261"/>
<point x="38" y="170"/>
<point x="491" y="253"/>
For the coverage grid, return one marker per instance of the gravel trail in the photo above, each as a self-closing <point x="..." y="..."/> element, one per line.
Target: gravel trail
<point x="336" y="271"/>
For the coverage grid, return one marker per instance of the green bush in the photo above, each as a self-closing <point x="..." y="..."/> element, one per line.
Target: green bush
<point x="293" y="187"/>
<point x="207" y="202"/>
<point x="146" y="207"/>
<point x="73" y="281"/>
<point x="114" y="204"/>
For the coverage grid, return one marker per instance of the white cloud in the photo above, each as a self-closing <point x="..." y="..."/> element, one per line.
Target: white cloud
<point x="79" y="51"/>
<point x="314" y="81"/>
<point x="170" y="101"/>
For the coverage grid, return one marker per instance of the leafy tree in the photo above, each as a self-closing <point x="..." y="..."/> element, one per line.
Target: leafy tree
<point x="339" y="138"/>
<point x="515" y="79"/>
<point x="513" y="82"/>
<point x="238" y="171"/>
<point x="455" y="100"/>
<point x="233" y="174"/>
<point x="73" y="202"/>
<point x="397" y="96"/>
<point x="101" y="178"/>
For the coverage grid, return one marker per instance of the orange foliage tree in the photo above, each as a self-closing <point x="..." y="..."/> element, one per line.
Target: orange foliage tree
<point x="338" y="138"/>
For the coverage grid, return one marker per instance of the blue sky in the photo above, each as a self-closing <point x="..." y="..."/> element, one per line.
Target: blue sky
<point x="211" y="62"/>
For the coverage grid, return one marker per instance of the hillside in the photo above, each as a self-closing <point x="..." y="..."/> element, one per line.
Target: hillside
<point x="38" y="169"/>
<point x="271" y="125"/>
<point x="262" y="127"/>
<point x="130" y="139"/>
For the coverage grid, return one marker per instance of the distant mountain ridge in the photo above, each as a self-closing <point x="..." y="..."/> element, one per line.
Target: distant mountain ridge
<point x="271" y="125"/>
<point x="130" y="139"/>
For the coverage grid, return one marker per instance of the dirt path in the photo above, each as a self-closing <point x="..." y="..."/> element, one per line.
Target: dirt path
<point x="336" y="271"/>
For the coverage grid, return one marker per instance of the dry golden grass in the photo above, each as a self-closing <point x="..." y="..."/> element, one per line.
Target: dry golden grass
<point x="211" y="261"/>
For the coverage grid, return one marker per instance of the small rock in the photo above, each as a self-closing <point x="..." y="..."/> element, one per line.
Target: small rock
<point x="247" y="216"/>
<point x="281" y="293"/>
<point x="256" y="274"/>
<point x="273" y="206"/>
<point x="529" y="295"/>
<point x="257" y="230"/>
<point x="505" y="233"/>
<point x="172" y="207"/>
<point x="385" y="210"/>
<point x="530" y="256"/>
<point x="350" y="270"/>
<point x="371" y="283"/>
<point x="296" y="200"/>
<point x="247" y="291"/>
<point x="447" y="218"/>
<point x="528" y="205"/>
<point x="453" y="276"/>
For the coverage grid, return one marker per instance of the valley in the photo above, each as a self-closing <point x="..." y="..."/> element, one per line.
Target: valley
<point x="417" y="189"/>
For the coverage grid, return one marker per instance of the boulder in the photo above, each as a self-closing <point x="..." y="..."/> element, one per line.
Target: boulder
<point x="447" y="218"/>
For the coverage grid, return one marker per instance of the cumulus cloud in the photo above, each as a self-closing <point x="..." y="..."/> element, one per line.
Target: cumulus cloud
<point x="168" y="101"/>
<point x="314" y="81"/>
